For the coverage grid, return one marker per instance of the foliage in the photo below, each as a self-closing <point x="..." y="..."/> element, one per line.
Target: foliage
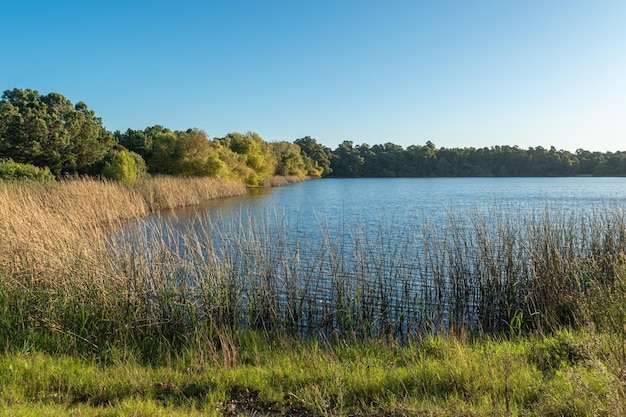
<point x="390" y="160"/>
<point x="317" y="157"/>
<point x="290" y="160"/>
<point x="347" y="160"/>
<point x="48" y="131"/>
<point x="123" y="166"/>
<point x="11" y="170"/>
<point x="192" y="154"/>
<point x="165" y="154"/>
<point x="257" y="156"/>
<point x="137" y="141"/>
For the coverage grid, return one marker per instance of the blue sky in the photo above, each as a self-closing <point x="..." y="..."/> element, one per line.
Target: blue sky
<point x="458" y="73"/>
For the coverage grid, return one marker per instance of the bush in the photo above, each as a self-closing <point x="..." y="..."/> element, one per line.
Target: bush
<point x="11" y="170"/>
<point x="123" y="166"/>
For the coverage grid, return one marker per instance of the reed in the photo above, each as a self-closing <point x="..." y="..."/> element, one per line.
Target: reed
<point x="170" y="192"/>
<point x="75" y="279"/>
<point x="281" y="180"/>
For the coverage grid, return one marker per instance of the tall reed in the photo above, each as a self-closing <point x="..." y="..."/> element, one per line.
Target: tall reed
<point x="170" y="192"/>
<point x="491" y="273"/>
<point x="74" y="280"/>
<point x="56" y="281"/>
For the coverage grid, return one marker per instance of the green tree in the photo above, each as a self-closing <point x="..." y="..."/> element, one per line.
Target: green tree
<point x="189" y="154"/>
<point x="257" y="154"/>
<point x="137" y="141"/>
<point x="316" y="156"/>
<point x="346" y="160"/>
<point x="290" y="160"/>
<point x="193" y="150"/>
<point x="123" y="165"/>
<point x="165" y="154"/>
<point x="48" y="131"/>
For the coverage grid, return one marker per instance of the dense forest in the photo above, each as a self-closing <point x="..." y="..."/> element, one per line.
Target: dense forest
<point x="47" y="136"/>
<point x="391" y="160"/>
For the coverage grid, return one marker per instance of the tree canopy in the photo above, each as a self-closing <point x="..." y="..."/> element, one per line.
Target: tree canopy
<point x="257" y="161"/>
<point x="49" y="131"/>
<point x="316" y="156"/>
<point x="389" y="160"/>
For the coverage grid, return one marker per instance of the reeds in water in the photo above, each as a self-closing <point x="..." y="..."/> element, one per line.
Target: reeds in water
<point x="489" y="273"/>
<point x="281" y="180"/>
<point x="69" y="284"/>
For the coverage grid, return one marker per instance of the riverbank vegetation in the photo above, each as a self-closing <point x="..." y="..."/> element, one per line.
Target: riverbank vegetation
<point x="565" y="374"/>
<point x="495" y="315"/>
<point x="49" y="132"/>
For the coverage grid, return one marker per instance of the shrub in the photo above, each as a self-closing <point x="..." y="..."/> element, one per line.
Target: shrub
<point x="123" y="166"/>
<point x="11" y="170"/>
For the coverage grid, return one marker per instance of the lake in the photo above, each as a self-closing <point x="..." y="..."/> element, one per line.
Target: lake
<point x="372" y="202"/>
<point x="401" y="256"/>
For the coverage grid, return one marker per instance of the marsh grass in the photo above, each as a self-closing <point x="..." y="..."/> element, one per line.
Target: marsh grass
<point x="74" y="278"/>
<point x="281" y="180"/>
<point x="365" y="321"/>
<point x="58" y="288"/>
<point x="171" y="192"/>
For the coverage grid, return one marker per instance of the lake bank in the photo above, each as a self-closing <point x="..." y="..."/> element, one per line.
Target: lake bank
<point x="565" y="374"/>
<point x="76" y="303"/>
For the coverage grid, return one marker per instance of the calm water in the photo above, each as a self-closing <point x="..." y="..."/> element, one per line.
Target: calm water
<point x="372" y="202"/>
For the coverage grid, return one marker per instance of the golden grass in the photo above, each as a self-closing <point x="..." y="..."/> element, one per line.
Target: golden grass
<point x="49" y="229"/>
<point x="281" y="180"/>
<point x="169" y="192"/>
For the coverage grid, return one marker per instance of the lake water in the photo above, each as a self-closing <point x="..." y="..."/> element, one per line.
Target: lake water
<point x="397" y="255"/>
<point x="372" y="201"/>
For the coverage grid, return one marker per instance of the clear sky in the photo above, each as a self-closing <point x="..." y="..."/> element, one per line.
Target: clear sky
<point x="458" y="73"/>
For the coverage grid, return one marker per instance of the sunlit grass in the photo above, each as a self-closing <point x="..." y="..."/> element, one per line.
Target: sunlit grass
<point x="437" y="376"/>
<point x="517" y="315"/>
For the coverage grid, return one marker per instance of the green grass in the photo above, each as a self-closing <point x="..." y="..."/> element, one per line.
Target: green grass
<point x="138" y="326"/>
<point x="568" y="374"/>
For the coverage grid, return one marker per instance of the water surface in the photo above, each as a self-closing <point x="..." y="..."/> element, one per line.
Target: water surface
<point x="370" y="201"/>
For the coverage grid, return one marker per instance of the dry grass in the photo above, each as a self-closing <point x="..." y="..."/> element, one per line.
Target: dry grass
<point x="281" y="181"/>
<point x="203" y="295"/>
<point x="57" y="281"/>
<point x="72" y="284"/>
<point x="170" y="192"/>
<point x="50" y="229"/>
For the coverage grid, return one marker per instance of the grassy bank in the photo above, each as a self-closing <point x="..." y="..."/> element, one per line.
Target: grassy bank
<point x="566" y="374"/>
<point x="492" y="315"/>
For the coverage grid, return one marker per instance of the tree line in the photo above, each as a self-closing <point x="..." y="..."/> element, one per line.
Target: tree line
<point x="54" y="137"/>
<point x="390" y="160"/>
<point x="49" y="133"/>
